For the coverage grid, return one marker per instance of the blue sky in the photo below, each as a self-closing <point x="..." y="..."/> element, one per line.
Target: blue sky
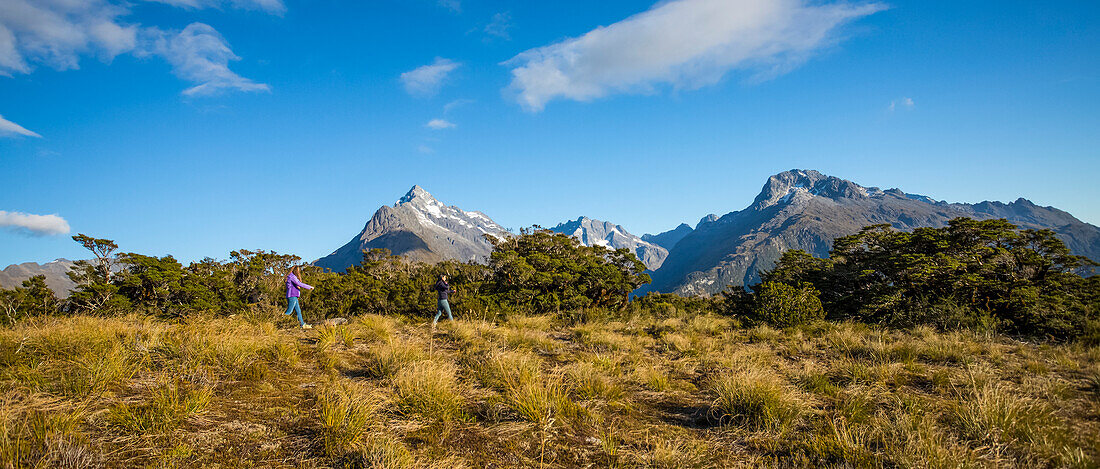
<point x="195" y="127"/>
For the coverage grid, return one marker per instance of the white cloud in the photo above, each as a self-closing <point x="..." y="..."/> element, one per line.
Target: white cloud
<point x="447" y="108"/>
<point x="904" y="104"/>
<point x="499" y="26"/>
<point x="439" y="124"/>
<point x="425" y="149"/>
<point x="200" y="55"/>
<point x="58" y="33"/>
<point x="453" y="5"/>
<point x="38" y="225"/>
<point x="8" y="128"/>
<point x="683" y="44"/>
<point x="426" y="80"/>
<point x="271" y="6"/>
<point x="55" y="33"/>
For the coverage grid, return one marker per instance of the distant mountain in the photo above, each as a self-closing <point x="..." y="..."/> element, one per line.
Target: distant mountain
<point x="55" y="272"/>
<point x="423" y="229"/>
<point x="669" y="238"/>
<point x="602" y="233"/>
<point x="807" y="210"/>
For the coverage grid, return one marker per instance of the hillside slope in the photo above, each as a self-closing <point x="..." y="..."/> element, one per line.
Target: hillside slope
<point x="423" y="229"/>
<point x="807" y="210"/>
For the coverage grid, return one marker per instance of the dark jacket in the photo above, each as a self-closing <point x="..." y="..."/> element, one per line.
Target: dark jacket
<point x="443" y="288"/>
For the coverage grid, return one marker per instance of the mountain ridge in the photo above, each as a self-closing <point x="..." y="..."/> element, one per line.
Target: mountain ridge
<point x="804" y="209"/>
<point x="593" y="232"/>
<point x="421" y="228"/>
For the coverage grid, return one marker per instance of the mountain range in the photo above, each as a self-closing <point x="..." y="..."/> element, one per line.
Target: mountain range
<point x="603" y="233"/>
<point x="796" y="209"/>
<point x="56" y="273"/>
<point x="807" y="210"/>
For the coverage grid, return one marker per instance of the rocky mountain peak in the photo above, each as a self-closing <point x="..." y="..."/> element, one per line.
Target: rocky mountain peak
<point x="417" y="193"/>
<point x="591" y="232"/>
<point x="799" y="184"/>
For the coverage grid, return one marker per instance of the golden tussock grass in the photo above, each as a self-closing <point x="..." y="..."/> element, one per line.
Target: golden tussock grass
<point x="641" y="390"/>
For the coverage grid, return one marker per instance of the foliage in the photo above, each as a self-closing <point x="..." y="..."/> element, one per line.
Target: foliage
<point x="34" y="298"/>
<point x="95" y="292"/>
<point x="783" y="305"/>
<point x="1023" y="281"/>
<point x="543" y="271"/>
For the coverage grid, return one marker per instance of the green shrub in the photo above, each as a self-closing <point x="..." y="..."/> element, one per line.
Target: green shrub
<point x="783" y="305"/>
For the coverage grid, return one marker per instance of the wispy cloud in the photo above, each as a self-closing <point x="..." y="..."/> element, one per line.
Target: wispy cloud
<point x="200" y="55"/>
<point x="439" y="124"/>
<point x="35" y="225"/>
<point x="271" y="6"/>
<point x="453" y="5"/>
<point x="58" y="33"/>
<point x="424" y="149"/>
<point x="499" y="26"/>
<point x="428" y="79"/>
<point x="683" y="44"/>
<point x="447" y="108"/>
<point x="9" y="128"/>
<point x="903" y="104"/>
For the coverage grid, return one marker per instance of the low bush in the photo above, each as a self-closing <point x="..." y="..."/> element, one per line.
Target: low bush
<point x="782" y="305"/>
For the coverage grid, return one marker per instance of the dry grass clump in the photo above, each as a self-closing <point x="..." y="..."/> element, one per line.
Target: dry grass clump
<point x="600" y="339"/>
<point x="652" y="377"/>
<point x="587" y="382"/>
<point x="373" y="327"/>
<point x="677" y="453"/>
<point x="382" y="452"/>
<point x="41" y="433"/>
<point x="429" y="390"/>
<point x="543" y="402"/>
<point x="754" y="398"/>
<point x="503" y="369"/>
<point x="988" y="412"/>
<point x="385" y="359"/>
<point x="524" y="388"/>
<point x="346" y="412"/>
<point x="165" y="408"/>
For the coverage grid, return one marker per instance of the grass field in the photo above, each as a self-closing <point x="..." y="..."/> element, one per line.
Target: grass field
<point x="689" y="391"/>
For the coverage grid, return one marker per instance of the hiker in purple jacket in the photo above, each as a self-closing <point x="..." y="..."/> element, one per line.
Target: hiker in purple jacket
<point x="293" y="292"/>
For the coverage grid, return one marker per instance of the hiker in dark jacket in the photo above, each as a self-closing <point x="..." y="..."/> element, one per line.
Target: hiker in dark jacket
<point x="444" y="289"/>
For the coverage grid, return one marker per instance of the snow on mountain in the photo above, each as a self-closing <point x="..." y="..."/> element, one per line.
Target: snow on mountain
<point x="601" y="233"/>
<point x="423" y="229"/>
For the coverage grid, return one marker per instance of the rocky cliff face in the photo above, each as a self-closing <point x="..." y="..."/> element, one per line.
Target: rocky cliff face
<point x="807" y="210"/>
<point x="669" y="238"/>
<point x="56" y="273"/>
<point x="423" y="229"/>
<point x="601" y="233"/>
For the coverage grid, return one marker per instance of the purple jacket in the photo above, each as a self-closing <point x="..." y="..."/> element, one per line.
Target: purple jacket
<point x="292" y="286"/>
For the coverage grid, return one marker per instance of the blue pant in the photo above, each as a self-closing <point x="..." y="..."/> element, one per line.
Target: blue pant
<point x="440" y="308"/>
<point x="292" y="306"/>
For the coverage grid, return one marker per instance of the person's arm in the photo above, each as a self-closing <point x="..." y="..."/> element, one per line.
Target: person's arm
<point x="298" y="283"/>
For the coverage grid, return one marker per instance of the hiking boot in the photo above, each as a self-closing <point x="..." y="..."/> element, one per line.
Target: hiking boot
<point x="307" y="326"/>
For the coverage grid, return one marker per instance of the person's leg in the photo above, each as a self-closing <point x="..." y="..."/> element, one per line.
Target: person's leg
<point x="447" y="306"/>
<point x="291" y="303"/>
<point x="298" y="308"/>
<point x="438" y="311"/>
